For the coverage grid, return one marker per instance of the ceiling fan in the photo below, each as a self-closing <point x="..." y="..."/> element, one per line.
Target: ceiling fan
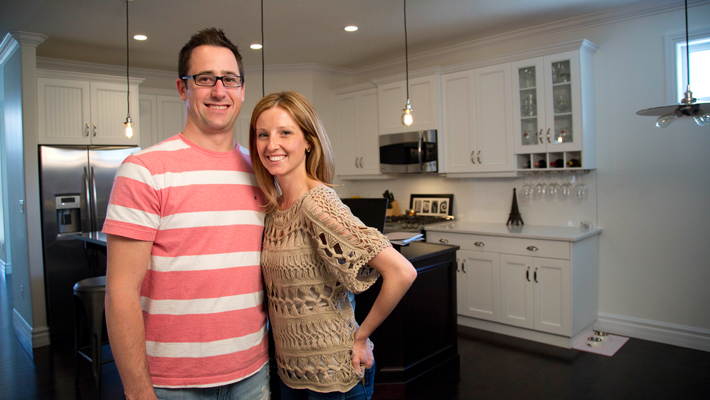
<point x="689" y="106"/>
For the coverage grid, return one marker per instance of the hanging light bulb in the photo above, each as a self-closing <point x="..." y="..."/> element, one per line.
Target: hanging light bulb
<point x="129" y="127"/>
<point x="407" y="117"/>
<point x="689" y="105"/>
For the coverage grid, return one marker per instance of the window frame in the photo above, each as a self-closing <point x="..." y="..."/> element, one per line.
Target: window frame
<point x="675" y="82"/>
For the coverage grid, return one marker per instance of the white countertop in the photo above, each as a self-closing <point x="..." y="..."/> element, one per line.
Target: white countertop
<point x="566" y="233"/>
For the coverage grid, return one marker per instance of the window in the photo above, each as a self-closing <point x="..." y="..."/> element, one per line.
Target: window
<point x="676" y="65"/>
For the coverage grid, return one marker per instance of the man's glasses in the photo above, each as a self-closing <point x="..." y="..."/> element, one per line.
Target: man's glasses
<point x="230" y="81"/>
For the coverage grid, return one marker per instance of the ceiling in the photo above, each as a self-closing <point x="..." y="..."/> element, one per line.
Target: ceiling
<point x="295" y="31"/>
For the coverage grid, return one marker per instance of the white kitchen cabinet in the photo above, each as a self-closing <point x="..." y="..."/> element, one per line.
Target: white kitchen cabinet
<point x="533" y="287"/>
<point x="85" y="111"/>
<point x="163" y="116"/>
<point x="535" y="293"/>
<point x="478" y="285"/>
<point x="424" y="95"/>
<point x="554" y="111"/>
<point x="477" y="120"/>
<point x="356" y="140"/>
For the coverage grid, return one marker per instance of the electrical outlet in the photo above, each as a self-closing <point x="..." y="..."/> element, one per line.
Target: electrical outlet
<point x="22" y="292"/>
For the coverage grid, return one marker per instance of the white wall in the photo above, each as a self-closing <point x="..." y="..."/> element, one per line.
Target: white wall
<point x="653" y="185"/>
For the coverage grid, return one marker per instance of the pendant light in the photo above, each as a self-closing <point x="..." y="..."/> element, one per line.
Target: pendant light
<point x="407" y="117"/>
<point x="129" y="121"/>
<point x="263" y="91"/>
<point x="689" y="106"/>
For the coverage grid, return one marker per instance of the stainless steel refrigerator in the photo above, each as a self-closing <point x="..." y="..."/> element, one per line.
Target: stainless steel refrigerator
<point x="76" y="183"/>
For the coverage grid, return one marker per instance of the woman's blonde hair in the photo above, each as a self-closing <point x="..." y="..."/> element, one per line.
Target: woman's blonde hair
<point x="319" y="161"/>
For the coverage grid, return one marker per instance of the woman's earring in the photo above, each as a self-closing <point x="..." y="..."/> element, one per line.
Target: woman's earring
<point x="308" y="150"/>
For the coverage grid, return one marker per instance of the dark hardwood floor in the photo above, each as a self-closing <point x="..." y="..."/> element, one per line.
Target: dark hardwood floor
<point x="492" y="367"/>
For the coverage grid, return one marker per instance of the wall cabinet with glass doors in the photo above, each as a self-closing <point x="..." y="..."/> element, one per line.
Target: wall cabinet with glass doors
<point x="554" y="111"/>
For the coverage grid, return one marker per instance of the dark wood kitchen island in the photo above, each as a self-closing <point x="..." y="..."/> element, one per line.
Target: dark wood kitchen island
<point x="416" y="348"/>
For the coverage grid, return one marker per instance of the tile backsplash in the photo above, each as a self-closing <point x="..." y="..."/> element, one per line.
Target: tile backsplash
<point x="490" y="199"/>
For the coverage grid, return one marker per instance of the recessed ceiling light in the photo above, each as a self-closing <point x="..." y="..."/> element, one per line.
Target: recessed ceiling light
<point x="351" y="28"/>
<point x="256" y="46"/>
<point x="140" y="37"/>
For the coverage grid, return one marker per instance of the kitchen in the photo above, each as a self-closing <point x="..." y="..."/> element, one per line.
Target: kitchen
<point x="646" y="192"/>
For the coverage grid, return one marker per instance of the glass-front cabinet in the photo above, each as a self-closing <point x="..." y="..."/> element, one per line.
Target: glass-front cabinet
<point x="548" y="112"/>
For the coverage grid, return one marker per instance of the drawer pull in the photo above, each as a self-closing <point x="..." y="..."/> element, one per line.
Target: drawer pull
<point x="532" y="248"/>
<point x="443" y="240"/>
<point x="527" y="274"/>
<point x="479" y="244"/>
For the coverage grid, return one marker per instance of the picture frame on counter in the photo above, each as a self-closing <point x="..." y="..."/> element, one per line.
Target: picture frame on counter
<point x="435" y="205"/>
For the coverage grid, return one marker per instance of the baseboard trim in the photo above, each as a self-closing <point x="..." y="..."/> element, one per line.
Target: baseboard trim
<point x="29" y="337"/>
<point x="655" y="331"/>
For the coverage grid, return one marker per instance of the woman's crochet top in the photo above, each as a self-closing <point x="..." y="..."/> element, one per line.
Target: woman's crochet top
<point x="313" y="254"/>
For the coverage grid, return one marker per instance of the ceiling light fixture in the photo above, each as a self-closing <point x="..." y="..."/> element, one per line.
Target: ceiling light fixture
<point x="129" y="121"/>
<point x="407" y="117"/>
<point x="140" y="37"/>
<point x="351" y="28"/>
<point x="689" y="105"/>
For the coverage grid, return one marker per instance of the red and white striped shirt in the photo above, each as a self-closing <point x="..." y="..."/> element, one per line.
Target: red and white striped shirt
<point x="202" y="296"/>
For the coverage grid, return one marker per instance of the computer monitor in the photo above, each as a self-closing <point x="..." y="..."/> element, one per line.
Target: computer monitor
<point x="370" y="211"/>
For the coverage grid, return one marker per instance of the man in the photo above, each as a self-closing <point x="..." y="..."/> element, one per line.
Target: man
<point x="184" y="293"/>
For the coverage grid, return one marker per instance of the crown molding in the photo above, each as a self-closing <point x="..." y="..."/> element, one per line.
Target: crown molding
<point x="620" y="14"/>
<point x="299" y="68"/>
<point x="29" y="38"/>
<point x="7" y="48"/>
<point x="100" y="69"/>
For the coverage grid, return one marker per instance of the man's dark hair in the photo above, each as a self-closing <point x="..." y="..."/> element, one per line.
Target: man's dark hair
<point x="210" y="37"/>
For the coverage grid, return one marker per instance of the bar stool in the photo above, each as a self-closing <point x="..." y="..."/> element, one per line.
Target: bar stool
<point x="89" y="297"/>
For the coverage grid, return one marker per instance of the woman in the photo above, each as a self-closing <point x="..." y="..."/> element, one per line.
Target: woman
<point x="315" y="253"/>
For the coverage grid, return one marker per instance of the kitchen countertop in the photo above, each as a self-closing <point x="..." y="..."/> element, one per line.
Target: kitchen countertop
<point x="564" y="233"/>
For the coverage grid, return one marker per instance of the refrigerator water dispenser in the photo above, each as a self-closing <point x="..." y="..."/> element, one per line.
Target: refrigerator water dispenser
<point x="68" y="217"/>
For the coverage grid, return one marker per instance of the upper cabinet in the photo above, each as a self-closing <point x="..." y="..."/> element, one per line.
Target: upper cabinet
<point x="553" y="112"/>
<point x="162" y="116"/>
<point x="477" y="120"/>
<point x="356" y="140"/>
<point x="85" y="110"/>
<point x="424" y="95"/>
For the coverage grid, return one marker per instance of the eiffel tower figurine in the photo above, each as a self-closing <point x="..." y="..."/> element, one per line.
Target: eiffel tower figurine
<point x="515" y="217"/>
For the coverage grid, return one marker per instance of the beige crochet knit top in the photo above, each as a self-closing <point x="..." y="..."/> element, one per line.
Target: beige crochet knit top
<point x="313" y="254"/>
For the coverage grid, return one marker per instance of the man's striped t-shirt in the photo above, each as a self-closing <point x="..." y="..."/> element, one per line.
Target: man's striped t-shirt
<point x="202" y="296"/>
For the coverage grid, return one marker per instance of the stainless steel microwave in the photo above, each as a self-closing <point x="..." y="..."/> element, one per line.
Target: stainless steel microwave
<point x="410" y="152"/>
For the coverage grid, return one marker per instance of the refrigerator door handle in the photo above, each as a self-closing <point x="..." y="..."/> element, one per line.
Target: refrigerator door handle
<point x="88" y="200"/>
<point x="94" y="205"/>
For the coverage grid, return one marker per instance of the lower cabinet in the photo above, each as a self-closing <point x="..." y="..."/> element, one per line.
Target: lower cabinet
<point x="538" y="289"/>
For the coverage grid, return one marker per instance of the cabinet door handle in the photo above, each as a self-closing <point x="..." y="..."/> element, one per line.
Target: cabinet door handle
<point x="473" y="161"/>
<point x="87" y="130"/>
<point x="478" y="157"/>
<point x="527" y="274"/>
<point x="443" y="240"/>
<point x="457" y="265"/>
<point x="479" y="244"/>
<point x="532" y="248"/>
<point x="94" y="130"/>
<point x="356" y="162"/>
<point x="463" y="266"/>
<point x="548" y="135"/>
<point x="540" y="137"/>
<point x="535" y="276"/>
<point x="361" y="163"/>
